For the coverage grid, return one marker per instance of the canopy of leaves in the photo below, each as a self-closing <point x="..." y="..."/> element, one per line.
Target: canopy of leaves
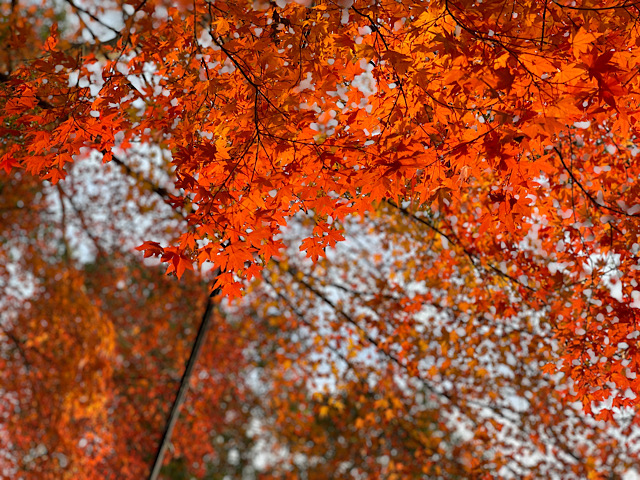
<point x="477" y="156"/>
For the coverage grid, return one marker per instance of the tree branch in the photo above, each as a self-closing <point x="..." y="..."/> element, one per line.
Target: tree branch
<point x="184" y="386"/>
<point x="588" y="194"/>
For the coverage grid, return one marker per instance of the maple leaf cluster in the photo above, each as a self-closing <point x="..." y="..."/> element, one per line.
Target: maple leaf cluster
<point x="474" y="162"/>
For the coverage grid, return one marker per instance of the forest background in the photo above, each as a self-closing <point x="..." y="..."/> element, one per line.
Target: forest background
<point x="422" y="218"/>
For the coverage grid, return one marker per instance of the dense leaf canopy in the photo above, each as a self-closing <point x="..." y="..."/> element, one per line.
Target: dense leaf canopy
<point x="425" y="215"/>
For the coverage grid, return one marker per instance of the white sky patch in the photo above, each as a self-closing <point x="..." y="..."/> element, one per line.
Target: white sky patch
<point x="205" y="40"/>
<point x="635" y="296"/>
<point x="340" y="92"/>
<point x="306" y="83"/>
<point x="73" y="78"/>
<point x="314" y="106"/>
<point x="397" y="26"/>
<point x="227" y="67"/>
<point x="95" y="81"/>
<point x="161" y="12"/>
<point x="631" y="475"/>
<point x="345" y="16"/>
<point x="365" y="82"/>
<point x="583" y="125"/>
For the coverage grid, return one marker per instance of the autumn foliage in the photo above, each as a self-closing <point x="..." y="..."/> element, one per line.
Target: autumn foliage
<point x="425" y="215"/>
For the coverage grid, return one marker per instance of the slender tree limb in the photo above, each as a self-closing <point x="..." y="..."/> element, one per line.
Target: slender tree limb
<point x="544" y="19"/>
<point x="588" y="194"/>
<point x="598" y="9"/>
<point x="184" y="386"/>
<point x="473" y="258"/>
